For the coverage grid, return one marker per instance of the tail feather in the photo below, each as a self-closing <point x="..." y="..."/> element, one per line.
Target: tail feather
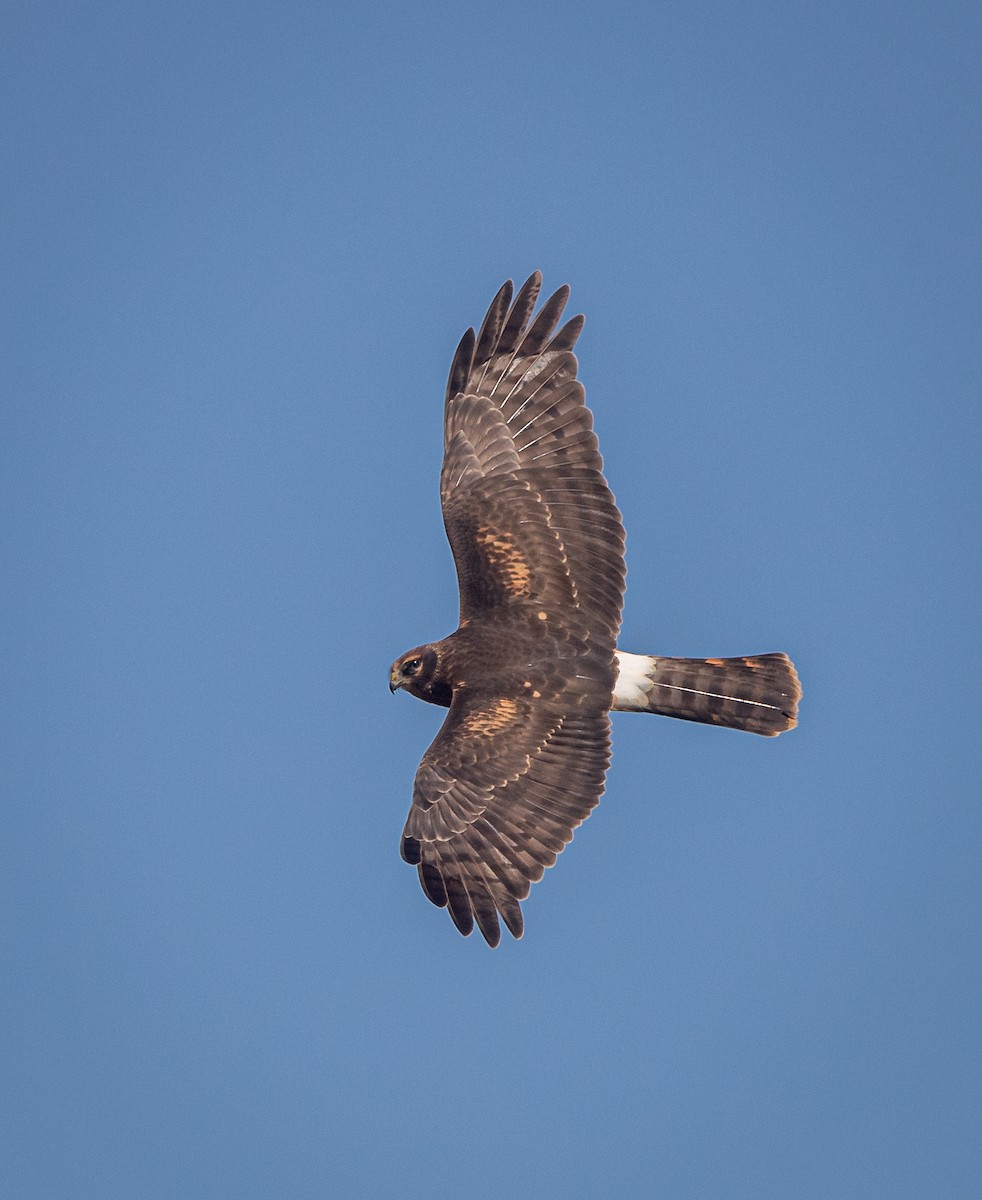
<point x="759" y="694"/>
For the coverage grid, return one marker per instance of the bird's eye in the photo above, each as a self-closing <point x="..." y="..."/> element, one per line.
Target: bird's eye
<point x="411" y="667"/>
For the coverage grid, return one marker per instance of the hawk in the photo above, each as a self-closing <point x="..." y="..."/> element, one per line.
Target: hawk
<point x="533" y="671"/>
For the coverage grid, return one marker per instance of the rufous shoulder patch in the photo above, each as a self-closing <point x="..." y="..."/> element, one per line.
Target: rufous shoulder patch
<point x="492" y="718"/>
<point x="507" y="562"/>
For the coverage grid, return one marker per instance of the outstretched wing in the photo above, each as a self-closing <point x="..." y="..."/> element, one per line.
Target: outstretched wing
<point x="497" y="797"/>
<point x="539" y="549"/>
<point x="528" y="513"/>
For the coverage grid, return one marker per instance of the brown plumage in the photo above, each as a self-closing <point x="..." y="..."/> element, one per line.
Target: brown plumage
<point x="532" y="672"/>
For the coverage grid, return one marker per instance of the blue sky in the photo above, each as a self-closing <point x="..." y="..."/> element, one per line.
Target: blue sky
<point x="240" y="244"/>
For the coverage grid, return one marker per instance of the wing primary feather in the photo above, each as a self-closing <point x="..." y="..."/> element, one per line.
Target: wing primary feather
<point x="459" y="904"/>
<point x="512" y="872"/>
<point x="461" y="366"/>
<point x="507" y="347"/>
<point x="491" y="326"/>
<point x="565" y="339"/>
<point x="519" y="314"/>
<point x="511" y="914"/>
<point x="498" y="860"/>
<point x="485" y="911"/>
<point x="432" y="883"/>
<point x="542" y="327"/>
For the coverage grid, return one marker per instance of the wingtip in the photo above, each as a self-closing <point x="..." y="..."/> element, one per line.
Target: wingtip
<point x="461" y="366"/>
<point x="565" y="338"/>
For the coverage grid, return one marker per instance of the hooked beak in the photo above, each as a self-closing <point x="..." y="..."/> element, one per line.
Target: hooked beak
<point x="395" y="682"/>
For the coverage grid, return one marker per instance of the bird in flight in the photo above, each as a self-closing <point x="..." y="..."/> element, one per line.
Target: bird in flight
<point x="533" y="671"/>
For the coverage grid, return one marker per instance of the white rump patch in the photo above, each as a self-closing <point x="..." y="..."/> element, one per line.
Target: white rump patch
<point x="633" y="682"/>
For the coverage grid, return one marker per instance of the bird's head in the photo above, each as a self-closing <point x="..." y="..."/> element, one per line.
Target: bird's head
<point x="416" y="671"/>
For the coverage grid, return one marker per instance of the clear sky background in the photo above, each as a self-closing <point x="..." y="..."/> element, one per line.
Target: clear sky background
<point x="240" y="243"/>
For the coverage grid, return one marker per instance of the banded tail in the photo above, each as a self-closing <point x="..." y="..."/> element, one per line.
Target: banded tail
<point x="758" y="694"/>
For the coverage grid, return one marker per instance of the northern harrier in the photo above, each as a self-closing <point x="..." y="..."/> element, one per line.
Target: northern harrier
<point x="533" y="671"/>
